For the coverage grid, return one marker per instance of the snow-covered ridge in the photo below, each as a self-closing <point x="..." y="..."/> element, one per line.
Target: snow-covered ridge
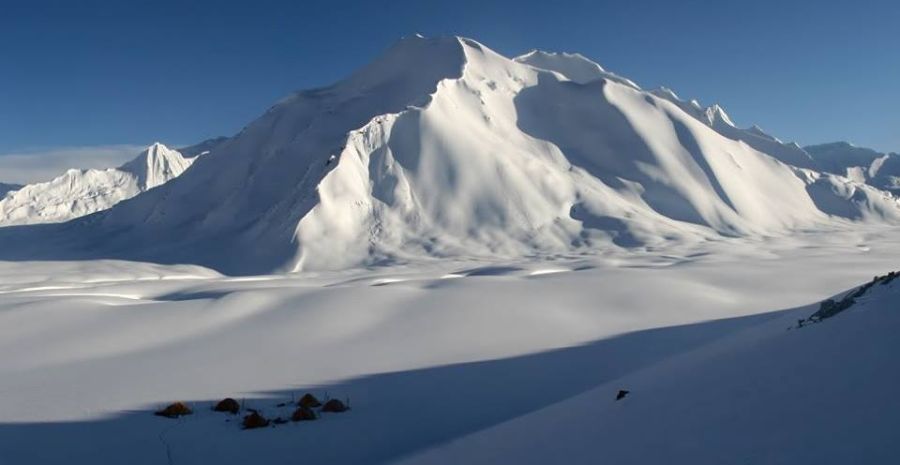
<point x="573" y="66"/>
<point x="716" y="118"/>
<point x="443" y="147"/>
<point x="859" y="164"/>
<point x="881" y="170"/>
<point x="202" y="148"/>
<point x="81" y="192"/>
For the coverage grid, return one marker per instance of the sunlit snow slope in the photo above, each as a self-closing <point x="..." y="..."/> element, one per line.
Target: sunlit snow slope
<point x="442" y="147"/>
<point x="81" y="192"/>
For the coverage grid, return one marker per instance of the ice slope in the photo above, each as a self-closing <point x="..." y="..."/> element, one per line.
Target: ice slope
<point x="881" y="170"/>
<point x="442" y="147"/>
<point x="81" y="192"/>
<point x="777" y="394"/>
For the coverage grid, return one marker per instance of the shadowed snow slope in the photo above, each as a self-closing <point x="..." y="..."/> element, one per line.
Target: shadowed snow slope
<point x="442" y="147"/>
<point x="81" y="192"/>
<point x="821" y="394"/>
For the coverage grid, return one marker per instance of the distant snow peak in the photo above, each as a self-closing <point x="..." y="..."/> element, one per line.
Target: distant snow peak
<point x="156" y="165"/>
<point x="716" y="114"/>
<point x="81" y="192"/>
<point x="881" y="170"/>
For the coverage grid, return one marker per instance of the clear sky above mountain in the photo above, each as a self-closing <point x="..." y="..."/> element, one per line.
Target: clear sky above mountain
<point x="102" y="73"/>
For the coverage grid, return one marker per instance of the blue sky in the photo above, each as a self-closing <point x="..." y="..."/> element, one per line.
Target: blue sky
<point x="78" y="74"/>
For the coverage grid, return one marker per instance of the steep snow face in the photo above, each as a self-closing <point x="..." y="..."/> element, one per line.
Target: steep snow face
<point x="156" y="166"/>
<point x="881" y="170"/>
<point x="442" y="147"/>
<point x="81" y="192"/>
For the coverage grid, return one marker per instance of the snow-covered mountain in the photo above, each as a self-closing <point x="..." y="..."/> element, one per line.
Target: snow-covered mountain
<point x="881" y="170"/>
<point x="442" y="147"/>
<point x="81" y="192"/>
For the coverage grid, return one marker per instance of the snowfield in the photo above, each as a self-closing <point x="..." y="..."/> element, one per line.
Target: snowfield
<point x="476" y="253"/>
<point x="461" y="361"/>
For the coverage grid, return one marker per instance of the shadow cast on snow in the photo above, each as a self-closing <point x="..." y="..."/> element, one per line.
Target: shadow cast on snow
<point x="393" y="414"/>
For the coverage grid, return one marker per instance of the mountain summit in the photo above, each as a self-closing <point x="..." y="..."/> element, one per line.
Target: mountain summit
<point x="443" y="147"/>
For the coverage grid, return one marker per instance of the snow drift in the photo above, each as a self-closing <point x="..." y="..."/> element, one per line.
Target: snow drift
<point x="442" y="147"/>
